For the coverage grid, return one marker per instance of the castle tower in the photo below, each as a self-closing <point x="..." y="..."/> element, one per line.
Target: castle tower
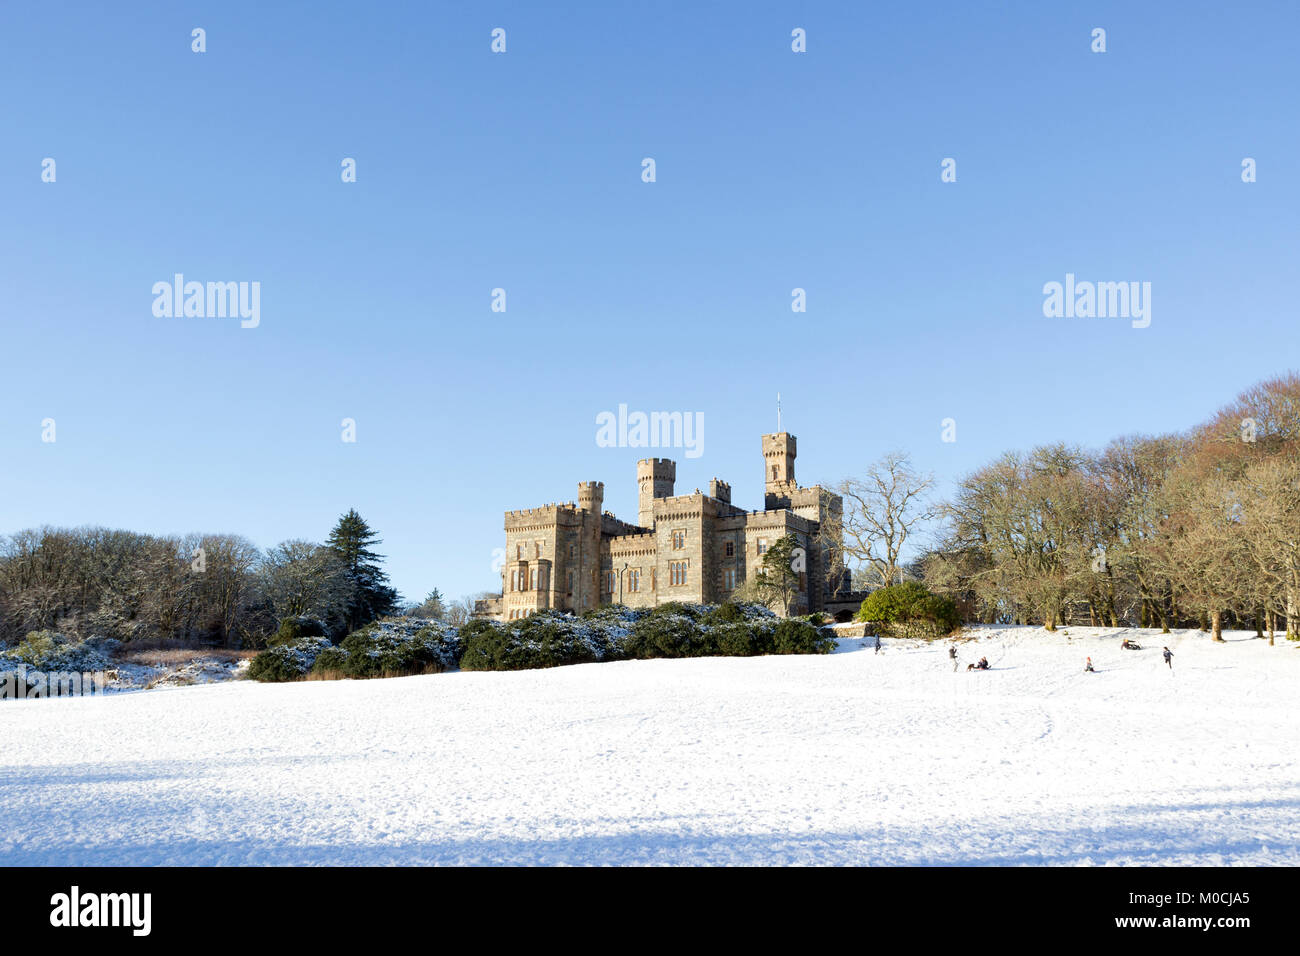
<point x="591" y="496"/>
<point x="778" y="462"/>
<point x="586" y="563"/>
<point x="654" y="479"/>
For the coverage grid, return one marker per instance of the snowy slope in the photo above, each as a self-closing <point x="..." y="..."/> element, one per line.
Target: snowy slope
<point x="849" y="758"/>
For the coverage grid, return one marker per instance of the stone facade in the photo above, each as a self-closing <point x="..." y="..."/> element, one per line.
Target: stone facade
<point x="695" y="547"/>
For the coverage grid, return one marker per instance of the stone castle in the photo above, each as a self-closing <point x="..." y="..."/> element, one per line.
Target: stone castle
<point x="695" y="547"/>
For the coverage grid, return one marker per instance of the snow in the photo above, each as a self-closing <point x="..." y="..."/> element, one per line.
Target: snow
<point x="127" y="675"/>
<point x="854" y="757"/>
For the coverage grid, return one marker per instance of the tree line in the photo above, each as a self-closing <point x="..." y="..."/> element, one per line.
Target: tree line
<point x="1193" y="529"/>
<point x="218" y="588"/>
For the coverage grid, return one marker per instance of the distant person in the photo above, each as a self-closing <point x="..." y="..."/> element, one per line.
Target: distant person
<point x="1130" y="646"/>
<point x="1087" y="667"/>
<point x="952" y="655"/>
<point x="1169" y="658"/>
<point x="877" y="643"/>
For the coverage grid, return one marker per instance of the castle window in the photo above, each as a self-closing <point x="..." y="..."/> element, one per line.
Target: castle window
<point x="679" y="540"/>
<point x="762" y="545"/>
<point x="519" y="552"/>
<point x="570" y="582"/>
<point x="730" y="549"/>
<point x="774" y="472"/>
<point x="611" y="581"/>
<point x="677" y="573"/>
<point x="537" y="549"/>
<point x="634" y="579"/>
<point x="532" y="580"/>
<point x="729" y="579"/>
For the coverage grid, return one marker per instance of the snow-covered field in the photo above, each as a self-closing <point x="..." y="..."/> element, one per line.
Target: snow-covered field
<point x="850" y="758"/>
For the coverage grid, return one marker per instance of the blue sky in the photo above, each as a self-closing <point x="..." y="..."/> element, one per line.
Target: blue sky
<point x="522" y="171"/>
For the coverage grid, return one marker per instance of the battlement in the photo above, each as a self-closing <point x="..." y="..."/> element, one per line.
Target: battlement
<point x="565" y="513"/>
<point x="638" y="538"/>
<point x="546" y="509"/>
<point x="720" y="489"/>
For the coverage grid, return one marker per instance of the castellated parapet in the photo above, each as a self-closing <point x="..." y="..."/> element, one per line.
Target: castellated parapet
<point x="695" y="547"/>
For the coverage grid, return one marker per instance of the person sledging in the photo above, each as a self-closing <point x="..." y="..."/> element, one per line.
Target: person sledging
<point x="1087" y="667"/>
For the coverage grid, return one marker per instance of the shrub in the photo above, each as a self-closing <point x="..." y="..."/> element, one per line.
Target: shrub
<point x="52" y="651"/>
<point x="796" y="636"/>
<point x="332" y="659"/>
<point x="546" y="639"/>
<point x="726" y="613"/>
<point x="394" y="647"/>
<point x="741" y="639"/>
<point x="910" y="610"/>
<point x="670" y="630"/>
<point x="284" y="662"/>
<point x="614" y="632"/>
<point x="293" y="628"/>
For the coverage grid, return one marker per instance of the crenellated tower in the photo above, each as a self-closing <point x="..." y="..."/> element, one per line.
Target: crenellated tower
<point x="778" y="462"/>
<point x="591" y="496"/>
<point x="655" y="478"/>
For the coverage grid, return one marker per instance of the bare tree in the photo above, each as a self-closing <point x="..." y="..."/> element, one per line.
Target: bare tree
<point x="882" y="511"/>
<point x="304" y="578"/>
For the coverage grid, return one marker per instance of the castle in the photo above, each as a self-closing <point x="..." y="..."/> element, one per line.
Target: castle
<point x="695" y="547"/>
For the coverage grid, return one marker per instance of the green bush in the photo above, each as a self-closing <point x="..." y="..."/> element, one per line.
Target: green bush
<point x="285" y="662"/>
<point x="741" y="639"/>
<point x="293" y="628"/>
<point x="394" y="647"/>
<point x="331" y="660"/>
<point x="52" y="651"/>
<point x="910" y="610"/>
<point x="546" y="639"/>
<point x="725" y="613"/>
<point x="670" y="630"/>
<point x="796" y="636"/>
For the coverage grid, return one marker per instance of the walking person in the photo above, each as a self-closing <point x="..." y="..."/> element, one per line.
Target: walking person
<point x="952" y="653"/>
<point x="877" y="643"/>
<point x="1087" y="667"/>
<point x="1169" y="658"/>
